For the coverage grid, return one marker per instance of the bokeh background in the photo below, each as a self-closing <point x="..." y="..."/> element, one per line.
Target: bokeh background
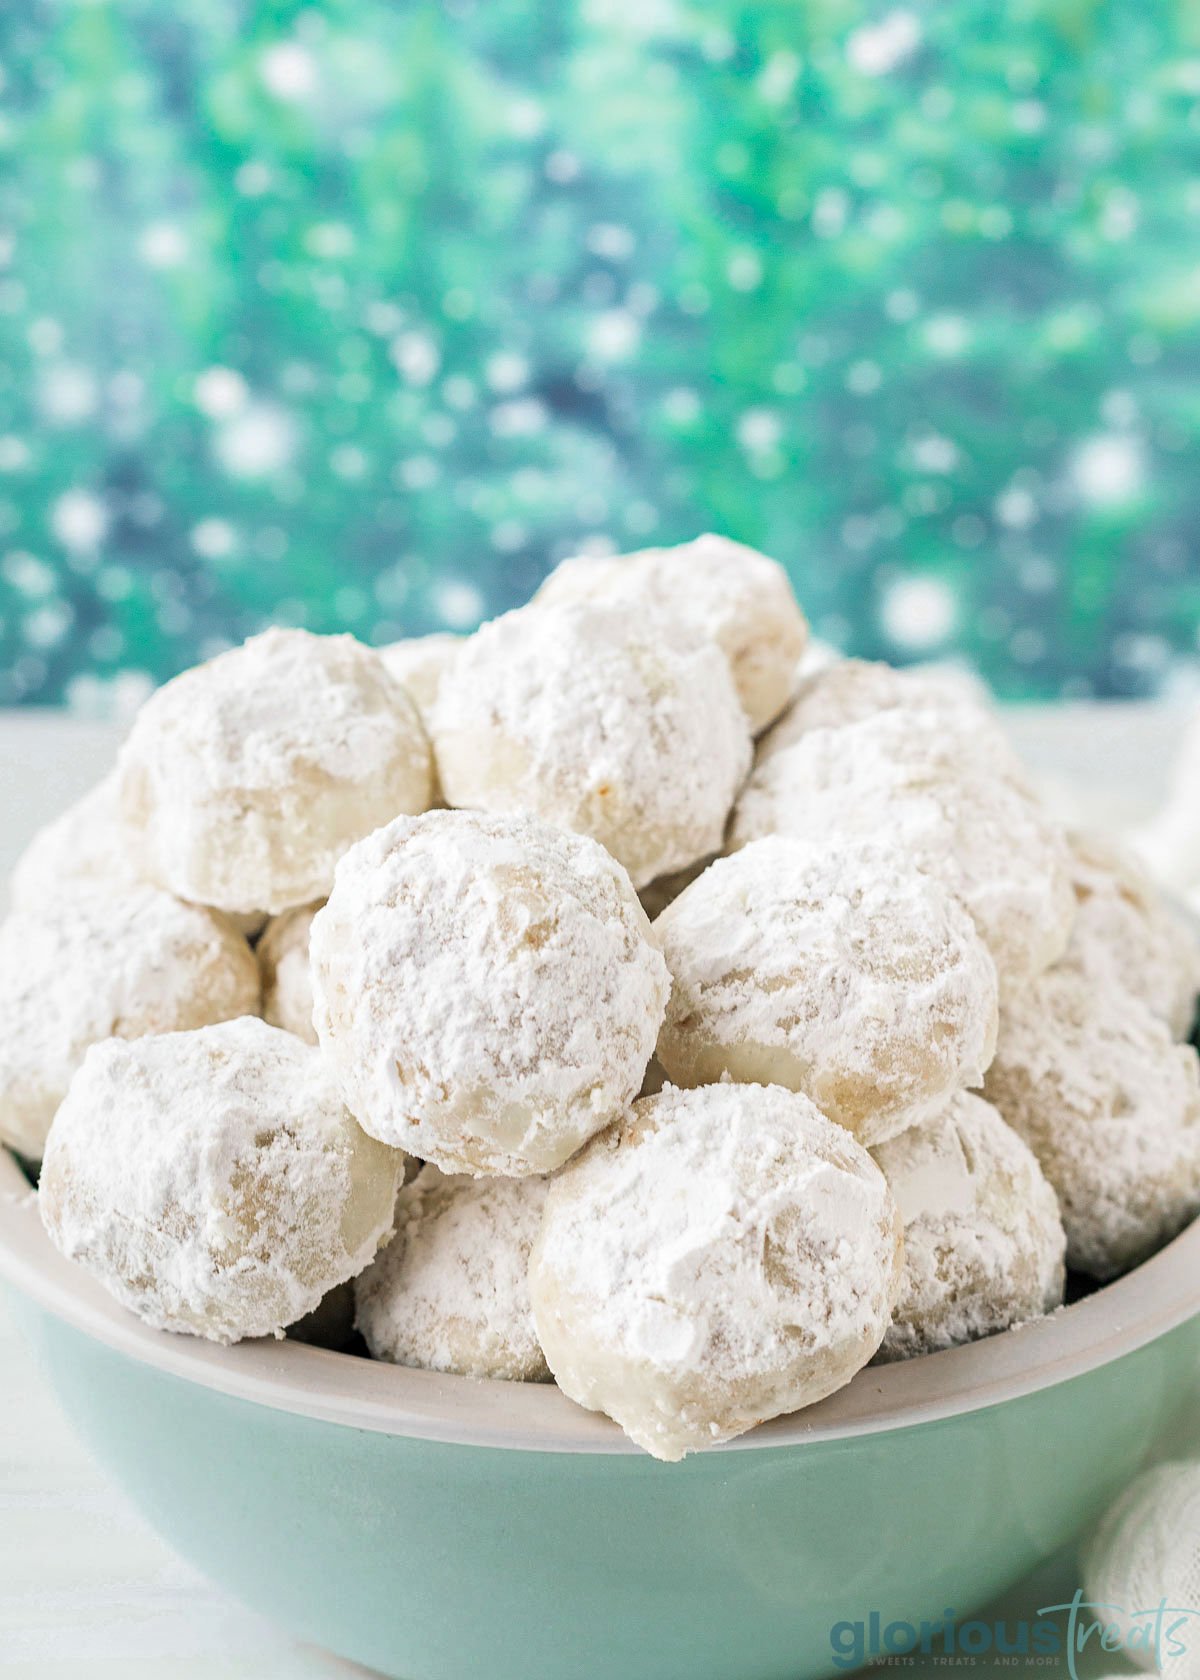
<point x="360" y="315"/>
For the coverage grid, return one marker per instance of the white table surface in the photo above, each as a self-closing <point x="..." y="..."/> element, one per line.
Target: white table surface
<point x="87" y="1591"/>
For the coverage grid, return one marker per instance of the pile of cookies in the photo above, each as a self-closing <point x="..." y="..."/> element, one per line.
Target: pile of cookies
<point x="615" y="995"/>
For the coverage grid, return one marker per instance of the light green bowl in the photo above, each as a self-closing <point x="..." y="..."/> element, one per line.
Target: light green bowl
<point x="440" y="1529"/>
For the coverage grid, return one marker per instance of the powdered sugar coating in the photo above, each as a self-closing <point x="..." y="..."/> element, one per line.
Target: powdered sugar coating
<point x="984" y="1246"/>
<point x="1111" y="1108"/>
<point x="1145" y="1552"/>
<point x="836" y="969"/>
<point x="487" y="989"/>
<point x="974" y="828"/>
<point x="1124" y="934"/>
<point x="88" y="847"/>
<point x="450" y="1292"/>
<point x="282" y="954"/>
<point x="85" y="846"/>
<point x="600" y="720"/>
<point x="250" y="775"/>
<point x="853" y="689"/>
<point x="213" y="1181"/>
<point x="718" y="1257"/>
<point x="419" y="664"/>
<point x="727" y="592"/>
<point x="93" y="965"/>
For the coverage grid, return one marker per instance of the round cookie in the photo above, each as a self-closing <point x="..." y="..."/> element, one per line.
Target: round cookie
<point x="610" y="723"/>
<point x="487" y="989"/>
<point x="1139" y="1556"/>
<point x="450" y="1292"/>
<point x="984" y="1245"/>
<point x="838" y="970"/>
<point x="718" y="1257"/>
<point x="89" y="848"/>
<point x="727" y="592"/>
<point x="90" y="966"/>
<point x="1125" y="935"/>
<point x="952" y="811"/>
<point x="249" y="776"/>
<point x="1111" y="1108"/>
<point x="853" y="689"/>
<point x="85" y="847"/>
<point x="213" y="1181"/>
<point x="283" y="963"/>
<point x="419" y="664"/>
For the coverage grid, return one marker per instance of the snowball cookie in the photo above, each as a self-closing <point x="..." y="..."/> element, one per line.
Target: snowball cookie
<point x="730" y="594"/>
<point x="213" y="1180"/>
<point x="1111" y="1108"/>
<point x="419" y="663"/>
<point x="854" y="689"/>
<point x="1125" y="934"/>
<point x="450" y="1292"/>
<point x="984" y="1244"/>
<point x="487" y="989"/>
<point x="836" y="969"/>
<point x="98" y="965"/>
<point x="599" y="719"/>
<point x="250" y="775"/>
<point x="716" y="1258"/>
<point x="956" y="815"/>
<point x="1138" y="1556"/>
<point x="86" y="846"/>
<point x="283" y="963"/>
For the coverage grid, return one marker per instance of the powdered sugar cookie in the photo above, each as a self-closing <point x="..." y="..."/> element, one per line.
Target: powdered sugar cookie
<point x="1125" y="934"/>
<point x="86" y="846"/>
<point x="213" y="1181"/>
<point x="90" y="966"/>
<point x="978" y="831"/>
<point x="487" y="989"/>
<point x="599" y="721"/>
<point x="730" y="594"/>
<point x="853" y="689"/>
<point x="984" y="1244"/>
<point x="1111" y="1108"/>
<point x="283" y="963"/>
<point x="839" y="970"/>
<point x="419" y="663"/>
<point x="89" y="848"/>
<point x="249" y="776"/>
<point x="1141" y="1556"/>
<point x="718" y="1257"/>
<point x="621" y="728"/>
<point x="450" y="1292"/>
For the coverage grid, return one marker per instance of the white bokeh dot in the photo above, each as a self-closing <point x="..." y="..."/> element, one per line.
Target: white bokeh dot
<point x="288" y="70"/>
<point x="163" y="245"/>
<point x="257" y="442"/>
<point x="220" y="392"/>
<point x="1108" y="469"/>
<point x="458" y="604"/>
<point x="79" y="519"/>
<point x="919" y="612"/>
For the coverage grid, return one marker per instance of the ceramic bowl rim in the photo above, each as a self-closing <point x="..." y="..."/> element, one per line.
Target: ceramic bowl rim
<point x="312" y="1382"/>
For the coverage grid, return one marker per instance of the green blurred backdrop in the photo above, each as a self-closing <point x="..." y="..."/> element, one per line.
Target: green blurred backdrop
<point x="361" y="315"/>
